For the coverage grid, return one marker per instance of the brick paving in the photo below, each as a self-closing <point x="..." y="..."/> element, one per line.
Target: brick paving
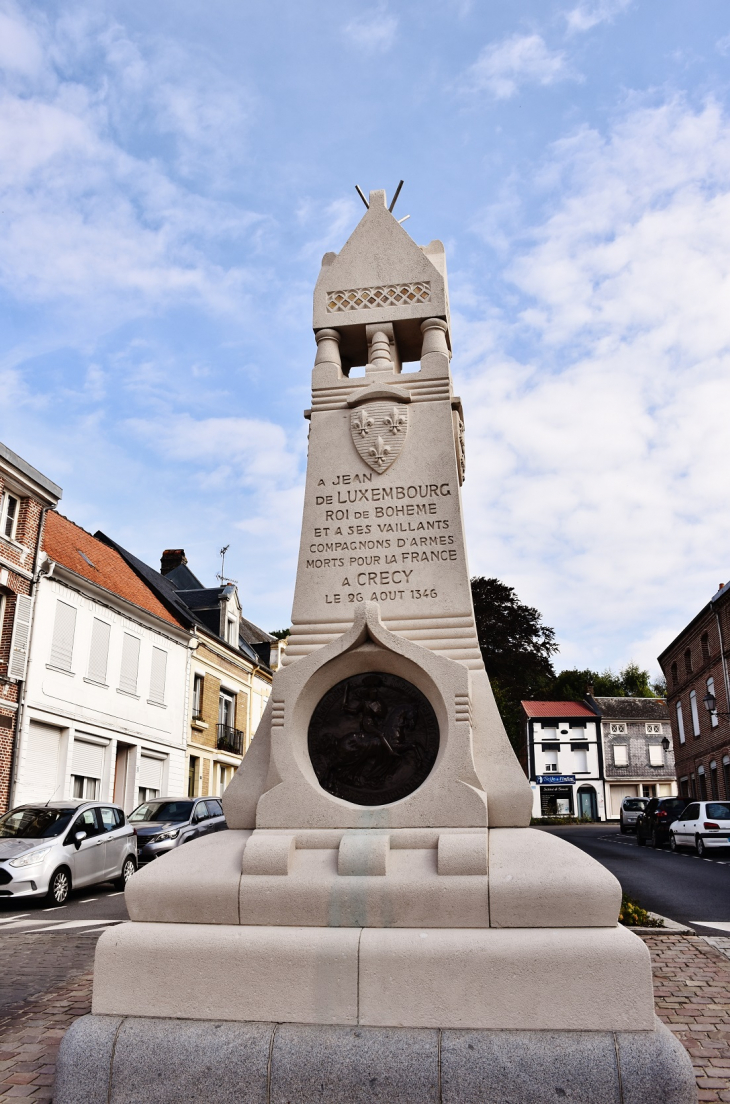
<point x="691" y="992"/>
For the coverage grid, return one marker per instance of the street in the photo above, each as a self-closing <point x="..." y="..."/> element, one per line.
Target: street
<point x="678" y="885"/>
<point x="41" y="947"/>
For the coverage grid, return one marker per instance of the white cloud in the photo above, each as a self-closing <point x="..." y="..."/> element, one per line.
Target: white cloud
<point x="503" y="67"/>
<point x="597" y="466"/>
<point x="589" y="13"/>
<point x="723" y="44"/>
<point x="84" y="219"/>
<point x="374" y="32"/>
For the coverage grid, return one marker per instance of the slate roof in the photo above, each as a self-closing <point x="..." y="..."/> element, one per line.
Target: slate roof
<point x="70" y="545"/>
<point x="557" y="709"/>
<point x="193" y="606"/>
<point x="633" y="709"/>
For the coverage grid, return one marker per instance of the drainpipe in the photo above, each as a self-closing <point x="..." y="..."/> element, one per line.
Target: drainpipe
<point x="21" y="685"/>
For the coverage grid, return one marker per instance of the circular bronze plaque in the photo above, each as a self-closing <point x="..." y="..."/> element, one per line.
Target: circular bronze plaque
<point x="373" y="739"/>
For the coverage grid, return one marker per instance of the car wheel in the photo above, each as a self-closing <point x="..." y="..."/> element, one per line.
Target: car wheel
<point x="700" y="846"/>
<point x="640" y="839"/>
<point x="59" y="887"/>
<point x="128" y="868"/>
<point x="672" y="842"/>
<point x="623" y="828"/>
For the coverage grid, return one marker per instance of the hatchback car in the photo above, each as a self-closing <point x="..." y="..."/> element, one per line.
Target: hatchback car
<point x="631" y="808"/>
<point x="658" y="816"/>
<point x="169" y="822"/>
<point x="47" y="849"/>
<point x="702" y="825"/>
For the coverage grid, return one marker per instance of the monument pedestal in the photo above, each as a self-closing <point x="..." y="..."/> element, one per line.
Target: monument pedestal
<point x="379" y="923"/>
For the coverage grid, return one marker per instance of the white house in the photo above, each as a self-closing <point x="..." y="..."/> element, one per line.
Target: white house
<point x="564" y="759"/>
<point x="106" y="690"/>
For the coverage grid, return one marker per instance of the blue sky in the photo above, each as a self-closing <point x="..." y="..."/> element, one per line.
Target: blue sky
<point x="172" y="173"/>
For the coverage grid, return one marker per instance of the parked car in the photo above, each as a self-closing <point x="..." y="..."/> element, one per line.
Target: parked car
<point x="702" y="825"/>
<point x="631" y="808"/>
<point x="45" y="850"/>
<point x="654" y="823"/>
<point x="168" y="822"/>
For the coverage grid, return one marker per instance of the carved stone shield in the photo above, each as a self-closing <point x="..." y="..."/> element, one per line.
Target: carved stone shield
<point x="379" y="431"/>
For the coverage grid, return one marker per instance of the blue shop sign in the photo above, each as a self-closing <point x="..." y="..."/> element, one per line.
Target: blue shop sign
<point x="556" y="779"/>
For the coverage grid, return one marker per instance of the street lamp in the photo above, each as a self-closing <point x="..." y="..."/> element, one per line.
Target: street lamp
<point x="665" y="744"/>
<point x="710" y="702"/>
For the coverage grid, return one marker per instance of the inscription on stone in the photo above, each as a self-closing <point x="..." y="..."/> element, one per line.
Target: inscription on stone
<point x="373" y="739"/>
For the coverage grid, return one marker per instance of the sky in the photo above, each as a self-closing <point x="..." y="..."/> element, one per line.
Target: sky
<point x="171" y="174"/>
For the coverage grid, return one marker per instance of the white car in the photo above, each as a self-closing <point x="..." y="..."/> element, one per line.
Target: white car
<point x="702" y="825"/>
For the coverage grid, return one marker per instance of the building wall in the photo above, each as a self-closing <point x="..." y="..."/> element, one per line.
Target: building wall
<point x="639" y="778"/>
<point x="221" y="668"/>
<point x="66" y="711"/>
<point x="17" y="558"/>
<point x="565" y="733"/>
<point x="696" y="751"/>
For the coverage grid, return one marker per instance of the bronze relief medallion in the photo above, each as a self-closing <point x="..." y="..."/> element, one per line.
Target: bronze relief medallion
<point x="373" y="739"/>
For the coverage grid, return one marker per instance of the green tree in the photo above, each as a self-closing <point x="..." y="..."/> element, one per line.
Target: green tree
<point x="516" y="647"/>
<point x="280" y="634"/>
<point x="631" y="682"/>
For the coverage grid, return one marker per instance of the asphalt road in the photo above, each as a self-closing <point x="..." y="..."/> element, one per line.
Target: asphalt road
<point x="679" y="885"/>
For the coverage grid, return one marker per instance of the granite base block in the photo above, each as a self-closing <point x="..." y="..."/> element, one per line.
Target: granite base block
<point x="137" y="1060"/>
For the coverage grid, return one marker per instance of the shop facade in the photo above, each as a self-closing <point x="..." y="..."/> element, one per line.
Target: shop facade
<point x="565" y="759"/>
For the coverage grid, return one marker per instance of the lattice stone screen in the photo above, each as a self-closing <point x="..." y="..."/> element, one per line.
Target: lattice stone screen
<point x="390" y="295"/>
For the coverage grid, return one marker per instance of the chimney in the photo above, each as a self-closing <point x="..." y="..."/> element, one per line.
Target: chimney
<point x="589" y="690"/>
<point x="172" y="558"/>
<point x="721" y="586"/>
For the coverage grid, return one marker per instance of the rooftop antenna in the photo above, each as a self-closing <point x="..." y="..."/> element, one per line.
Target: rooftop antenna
<point x="221" y="574"/>
<point x="359" y="191"/>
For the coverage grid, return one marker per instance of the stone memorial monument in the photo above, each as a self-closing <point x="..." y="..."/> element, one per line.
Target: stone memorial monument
<point x="379" y="923"/>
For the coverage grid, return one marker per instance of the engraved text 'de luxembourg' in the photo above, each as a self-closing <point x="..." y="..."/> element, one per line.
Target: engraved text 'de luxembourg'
<point x="373" y="739"/>
<point x="379" y="431"/>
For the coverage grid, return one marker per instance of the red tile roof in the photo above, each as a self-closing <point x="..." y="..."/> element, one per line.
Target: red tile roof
<point x="72" y="546"/>
<point x="556" y="709"/>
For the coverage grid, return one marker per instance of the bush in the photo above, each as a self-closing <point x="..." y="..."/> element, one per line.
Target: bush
<point x="634" y="916"/>
<point x="562" y="820"/>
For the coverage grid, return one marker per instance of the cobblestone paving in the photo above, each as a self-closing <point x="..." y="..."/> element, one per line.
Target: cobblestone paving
<point x="691" y="991"/>
<point x="692" y="996"/>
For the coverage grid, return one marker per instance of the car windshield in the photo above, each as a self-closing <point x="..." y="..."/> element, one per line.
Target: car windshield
<point x="636" y="805"/>
<point x="162" y="811"/>
<point x="718" y="812"/>
<point x="42" y="823"/>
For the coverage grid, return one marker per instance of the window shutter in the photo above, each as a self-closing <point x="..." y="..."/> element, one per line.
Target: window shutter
<point x="656" y="755"/>
<point x="150" y="772"/>
<point x="88" y="759"/>
<point x="19" y="640"/>
<point x="620" y="755"/>
<point x="64" y="628"/>
<point x="130" y="664"/>
<point x="99" y="653"/>
<point x="680" y="723"/>
<point x="157" y="675"/>
<point x="42" y="755"/>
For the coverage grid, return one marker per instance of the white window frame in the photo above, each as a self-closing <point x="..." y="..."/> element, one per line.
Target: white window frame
<point x="656" y="755"/>
<point x="7" y="496"/>
<point x="653" y="728"/>
<point x="714" y="719"/>
<point x="680" y="723"/>
<point x="617" y="728"/>
<point x="695" y="712"/>
<point x="624" y="749"/>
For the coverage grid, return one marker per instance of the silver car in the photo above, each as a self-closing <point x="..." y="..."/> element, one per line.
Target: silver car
<point x="631" y="810"/>
<point x="168" y="822"/>
<point x="47" y="849"/>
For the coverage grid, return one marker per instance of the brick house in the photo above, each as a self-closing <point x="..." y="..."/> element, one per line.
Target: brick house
<point x="695" y="666"/>
<point x="25" y="497"/>
<point x="230" y="674"/>
<point x="637" y="752"/>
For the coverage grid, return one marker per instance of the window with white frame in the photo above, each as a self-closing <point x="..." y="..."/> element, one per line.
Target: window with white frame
<point x="9" y="510"/>
<point x="680" y="723"/>
<point x="711" y="690"/>
<point x="157" y="675"/>
<point x="64" y="630"/>
<point x="130" y="664"/>
<point x="198" y="682"/>
<point x="580" y="760"/>
<point x="656" y="755"/>
<point x="695" y="712"/>
<point x="99" y="651"/>
<point x="620" y="755"/>
<point x="232" y="631"/>
<point x="617" y="728"/>
<point x="85" y="788"/>
<point x="653" y="728"/>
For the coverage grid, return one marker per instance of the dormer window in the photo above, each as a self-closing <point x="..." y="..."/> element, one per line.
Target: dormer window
<point x="9" y="516"/>
<point x="232" y="631"/>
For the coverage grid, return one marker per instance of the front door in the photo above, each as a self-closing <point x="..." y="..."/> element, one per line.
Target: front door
<point x="89" y="861"/>
<point x="587" y="804"/>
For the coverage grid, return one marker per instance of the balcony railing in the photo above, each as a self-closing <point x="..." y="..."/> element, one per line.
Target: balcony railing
<point x="230" y="739"/>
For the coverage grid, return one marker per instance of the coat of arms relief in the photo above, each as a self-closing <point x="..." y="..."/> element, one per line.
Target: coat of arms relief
<point x="379" y="431"/>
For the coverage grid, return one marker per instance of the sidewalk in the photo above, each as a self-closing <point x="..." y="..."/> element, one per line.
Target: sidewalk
<point x="691" y="991"/>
